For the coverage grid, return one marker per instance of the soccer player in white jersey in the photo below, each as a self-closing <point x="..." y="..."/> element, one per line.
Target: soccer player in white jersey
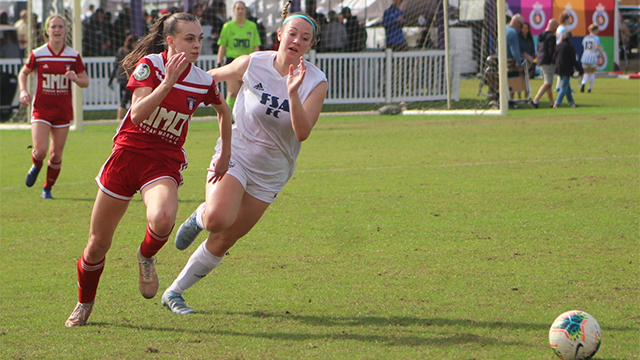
<point x="147" y="153"/>
<point x="277" y="107"/>
<point x="591" y="51"/>
<point x="57" y="67"/>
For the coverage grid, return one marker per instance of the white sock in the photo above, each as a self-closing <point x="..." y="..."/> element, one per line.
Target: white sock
<point x="585" y="78"/>
<point x="201" y="263"/>
<point x="199" y="212"/>
<point x="592" y="79"/>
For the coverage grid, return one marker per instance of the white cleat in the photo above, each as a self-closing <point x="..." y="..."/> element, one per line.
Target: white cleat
<point x="148" y="280"/>
<point x="80" y="315"/>
<point x="175" y="302"/>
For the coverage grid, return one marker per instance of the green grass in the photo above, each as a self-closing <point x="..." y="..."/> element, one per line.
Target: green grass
<point x="406" y="237"/>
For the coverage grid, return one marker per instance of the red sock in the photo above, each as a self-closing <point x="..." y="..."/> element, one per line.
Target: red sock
<point x="88" y="278"/>
<point x="152" y="242"/>
<point x="36" y="162"/>
<point x="53" y="170"/>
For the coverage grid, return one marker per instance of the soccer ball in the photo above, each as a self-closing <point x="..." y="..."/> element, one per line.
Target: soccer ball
<point x="575" y="335"/>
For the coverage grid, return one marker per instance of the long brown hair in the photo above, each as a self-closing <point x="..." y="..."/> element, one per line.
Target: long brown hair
<point x="155" y="42"/>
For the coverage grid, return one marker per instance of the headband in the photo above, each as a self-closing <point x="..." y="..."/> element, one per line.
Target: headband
<point x="302" y="16"/>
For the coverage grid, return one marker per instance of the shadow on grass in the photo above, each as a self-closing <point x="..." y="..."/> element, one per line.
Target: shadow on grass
<point x="397" y="337"/>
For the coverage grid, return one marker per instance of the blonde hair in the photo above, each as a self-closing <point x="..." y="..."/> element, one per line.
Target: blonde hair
<point x="48" y="21"/>
<point x="593" y="27"/>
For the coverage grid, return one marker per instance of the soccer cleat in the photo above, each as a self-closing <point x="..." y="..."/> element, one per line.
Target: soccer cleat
<point x="582" y="88"/>
<point x="589" y="90"/>
<point x="188" y="232"/>
<point x="175" y="302"/>
<point x="148" y="280"/>
<point x="80" y="315"/>
<point x="46" y="194"/>
<point x="533" y="104"/>
<point x="32" y="175"/>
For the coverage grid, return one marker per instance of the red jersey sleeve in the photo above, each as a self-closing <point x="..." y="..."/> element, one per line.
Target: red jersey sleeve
<point x="213" y="95"/>
<point x="79" y="65"/>
<point x="145" y="75"/>
<point x="31" y="63"/>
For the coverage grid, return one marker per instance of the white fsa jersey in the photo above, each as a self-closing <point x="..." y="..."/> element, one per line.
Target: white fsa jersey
<point x="590" y="52"/>
<point x="263" y="138"/>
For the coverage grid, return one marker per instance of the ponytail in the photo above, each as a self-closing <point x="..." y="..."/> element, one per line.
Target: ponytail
<point x="155" y="42"/>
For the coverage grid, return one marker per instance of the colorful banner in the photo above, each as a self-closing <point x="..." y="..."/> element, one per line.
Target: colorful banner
<point x="583" y="13"/>
<point x="537" y="13"/>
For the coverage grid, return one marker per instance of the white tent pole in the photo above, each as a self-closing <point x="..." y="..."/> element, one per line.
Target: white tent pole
<point x="76" y="15"/>
<point x="502" y="56"/>
<point x="447" y="57"/>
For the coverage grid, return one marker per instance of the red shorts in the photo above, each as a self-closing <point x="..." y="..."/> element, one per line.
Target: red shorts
<point x="53" y="123"/>
<point x="126" y="172"/>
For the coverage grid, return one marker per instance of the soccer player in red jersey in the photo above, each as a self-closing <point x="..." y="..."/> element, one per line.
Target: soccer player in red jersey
<point x="147" y="152"/>
<point x="57" y="66"/>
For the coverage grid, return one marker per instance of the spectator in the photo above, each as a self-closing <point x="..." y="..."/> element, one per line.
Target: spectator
<point x="546" y="61"/>
<point x="118" y="72"/>
<point x="334" y="34"/>
<point x="356" y="32"/>
<point x="4" y="18"/>
<point x="10" y="48"/>
<point x="198" y="11"/>
<point x="513" y="44"/>
<point x="87" y="16"/>
<point x="592" y="49"/>
<point x="22" y="29"/>
<point x="528" y="49"/>
<point x="121" y="28"/>
<point x="97" y="39"/>
<point x="566" y="63"/>
<point x="563" y="20"/>
<point x="392" y="22"/>
<point x="218" y="18"/>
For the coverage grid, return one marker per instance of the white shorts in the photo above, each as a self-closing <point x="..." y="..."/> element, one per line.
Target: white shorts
<point x="547" y="73"/>
<point x="251" y="184"/>
<point x="589" y="66"/>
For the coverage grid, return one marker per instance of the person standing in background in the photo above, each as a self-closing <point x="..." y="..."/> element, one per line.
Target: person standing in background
<point x="238" y="37"/>
<point x="392" y="22"/>
<point x="118" y="72"/>
<point x="334" y="34"/>
<point x="22" y="28"/>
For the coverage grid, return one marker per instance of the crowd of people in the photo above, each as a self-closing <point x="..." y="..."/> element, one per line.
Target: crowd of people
<point x="554" y="55"/>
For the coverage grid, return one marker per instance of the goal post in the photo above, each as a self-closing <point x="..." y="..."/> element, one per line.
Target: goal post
<point x="78" y="111"/>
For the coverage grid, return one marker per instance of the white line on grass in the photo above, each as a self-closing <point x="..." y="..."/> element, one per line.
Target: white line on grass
<point x="403" y="167"/>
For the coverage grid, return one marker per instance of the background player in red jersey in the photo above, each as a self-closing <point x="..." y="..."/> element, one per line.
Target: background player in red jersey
<point x="148" y="154"/>
<point x="57" y="66"/>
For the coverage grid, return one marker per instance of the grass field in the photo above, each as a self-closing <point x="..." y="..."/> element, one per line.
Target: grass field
<point x="406" y="237"/>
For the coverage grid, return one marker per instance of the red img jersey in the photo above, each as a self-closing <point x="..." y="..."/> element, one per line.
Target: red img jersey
<point x="162" y="135"/>
<point x="52" y="100"/>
